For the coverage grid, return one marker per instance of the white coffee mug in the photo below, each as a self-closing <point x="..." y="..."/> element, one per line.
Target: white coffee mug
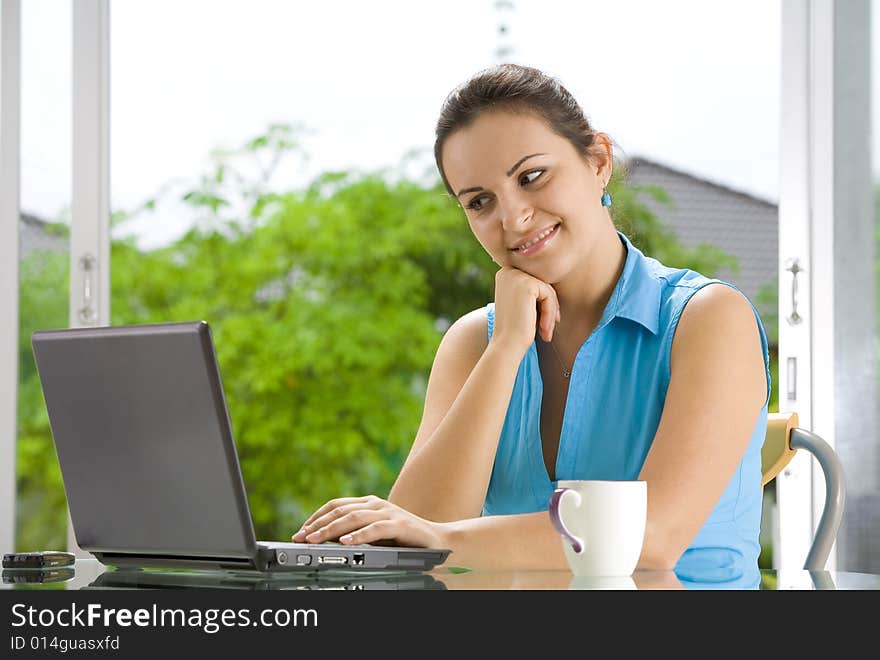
<point x="602" y="524"/>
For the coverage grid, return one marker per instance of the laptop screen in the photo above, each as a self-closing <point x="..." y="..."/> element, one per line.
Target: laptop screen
<point x="144" y="441"/>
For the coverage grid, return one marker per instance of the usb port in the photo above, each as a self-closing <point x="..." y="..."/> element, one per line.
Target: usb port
<point x="332" y="560"/>
<point x="357" y="558"/>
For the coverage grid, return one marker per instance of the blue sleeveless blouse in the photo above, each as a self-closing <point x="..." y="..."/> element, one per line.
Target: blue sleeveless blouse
<point x="615" y="398"/>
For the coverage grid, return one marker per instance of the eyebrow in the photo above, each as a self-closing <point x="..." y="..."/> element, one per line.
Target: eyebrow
<point x="509" y="172"/>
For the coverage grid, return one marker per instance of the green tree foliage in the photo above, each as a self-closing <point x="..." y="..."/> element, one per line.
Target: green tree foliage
<point x="326" y="305"/>
<point x="324" y="322"/>
<point x="43" y="303"/>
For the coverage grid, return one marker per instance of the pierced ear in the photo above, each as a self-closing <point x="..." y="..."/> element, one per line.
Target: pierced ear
<point x="607" y="153"/>
<point x="600" y="156"/>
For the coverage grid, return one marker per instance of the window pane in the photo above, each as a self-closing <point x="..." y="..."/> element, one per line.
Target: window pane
<point x="46" y="141"/>
<point x="862" y="523"/>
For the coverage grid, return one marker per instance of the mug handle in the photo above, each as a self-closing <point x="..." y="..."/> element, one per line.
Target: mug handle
<point x="577" y="544"/>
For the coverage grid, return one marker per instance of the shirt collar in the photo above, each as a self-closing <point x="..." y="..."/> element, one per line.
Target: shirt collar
<point x="636" y="295"/>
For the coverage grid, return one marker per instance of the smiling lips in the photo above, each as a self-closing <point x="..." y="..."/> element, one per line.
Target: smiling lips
<point x="536" y="241"/>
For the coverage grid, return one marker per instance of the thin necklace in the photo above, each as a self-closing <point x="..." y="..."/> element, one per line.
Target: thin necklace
<point x="565" y="372"/>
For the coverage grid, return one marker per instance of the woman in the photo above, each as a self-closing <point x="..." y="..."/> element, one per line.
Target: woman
<point x="593" y="362"/>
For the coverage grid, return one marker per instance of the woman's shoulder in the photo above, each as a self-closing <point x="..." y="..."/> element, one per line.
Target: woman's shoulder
<point x="701" y="318"/>
<point x="473" y="326"/>
<point x="468" y="335"/>
<point x="720" y="326"/>
<point x="677" y="281"/>
<point x="717" y="304"/>
<point x="682" y="288"/>
<point x="710" y="307"/>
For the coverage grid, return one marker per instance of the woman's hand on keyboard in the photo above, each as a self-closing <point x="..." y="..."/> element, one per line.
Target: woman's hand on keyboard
<point x="370" y="519"/>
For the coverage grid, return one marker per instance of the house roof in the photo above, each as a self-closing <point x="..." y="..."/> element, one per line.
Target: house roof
<point x="701" y="211"/>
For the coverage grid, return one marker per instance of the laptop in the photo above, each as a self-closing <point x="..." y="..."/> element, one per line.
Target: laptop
<point x="149" y="463"/>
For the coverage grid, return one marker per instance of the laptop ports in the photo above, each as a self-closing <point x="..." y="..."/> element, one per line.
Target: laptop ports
<point x="357" y="559"/>
<point x="332" y="560"/>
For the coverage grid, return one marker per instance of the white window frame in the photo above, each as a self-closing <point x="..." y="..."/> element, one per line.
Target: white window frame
<point x="10" y="187"/>
<point x="825" y="222"/>
<point x="796" y="156"/>
<point x="90" y="216"/>
<point x="90" y="205"/>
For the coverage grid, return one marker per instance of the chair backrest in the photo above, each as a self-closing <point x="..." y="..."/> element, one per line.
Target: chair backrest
<point x="782" y="441"/>
<point x="777" y="452"/>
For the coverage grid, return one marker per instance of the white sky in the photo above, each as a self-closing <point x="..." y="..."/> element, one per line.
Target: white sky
<point x="690" y="83"/>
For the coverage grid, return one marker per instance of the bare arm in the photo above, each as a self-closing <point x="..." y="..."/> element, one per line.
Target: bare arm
<point x="446" y="474"/>
<point x="716" y="392"/>
<point x="523" y="540"/>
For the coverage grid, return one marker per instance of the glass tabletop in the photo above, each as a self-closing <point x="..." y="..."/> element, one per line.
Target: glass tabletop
<point x="89" y="574"/>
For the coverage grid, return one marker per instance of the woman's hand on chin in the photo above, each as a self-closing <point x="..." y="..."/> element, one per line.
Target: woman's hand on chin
<point x="370" y="519"/>
<point x="524" y="305"/>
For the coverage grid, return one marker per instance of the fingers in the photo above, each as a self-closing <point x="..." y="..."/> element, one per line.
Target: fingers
<point x="347" y="524"/>
<point x="371" y="520"/>
<point x="525" y="307"/>
<point x="329" y="506"/>
<point x="375" y="531"/>
<point x="332" y="510"/>
<point x="335" y="520"/>
<point x="548" y="312"/>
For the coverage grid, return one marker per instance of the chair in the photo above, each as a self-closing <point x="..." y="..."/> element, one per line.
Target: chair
<point x="784" y="438"/>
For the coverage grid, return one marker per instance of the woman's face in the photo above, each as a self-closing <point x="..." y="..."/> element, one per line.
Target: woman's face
<point x="532" y="201"/>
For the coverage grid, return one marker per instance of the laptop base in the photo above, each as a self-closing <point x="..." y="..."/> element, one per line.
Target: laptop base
<point x="278" y="557"/>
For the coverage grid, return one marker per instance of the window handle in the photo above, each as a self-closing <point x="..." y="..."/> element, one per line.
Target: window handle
<point x="794" y="267"/>
<point x="87" y="311"/>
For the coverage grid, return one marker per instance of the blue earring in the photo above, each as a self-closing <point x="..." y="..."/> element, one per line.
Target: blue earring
<point x="606" y="198"/>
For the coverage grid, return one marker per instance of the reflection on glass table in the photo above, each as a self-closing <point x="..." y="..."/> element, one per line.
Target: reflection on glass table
<point x="769" y="580"/>
<point x="92" y="575"/>
<point x="45" y="576"/>
<point x="143" y="579"/>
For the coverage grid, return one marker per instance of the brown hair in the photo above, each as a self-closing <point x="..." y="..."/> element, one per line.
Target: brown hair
<point x="518" y="89"/>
